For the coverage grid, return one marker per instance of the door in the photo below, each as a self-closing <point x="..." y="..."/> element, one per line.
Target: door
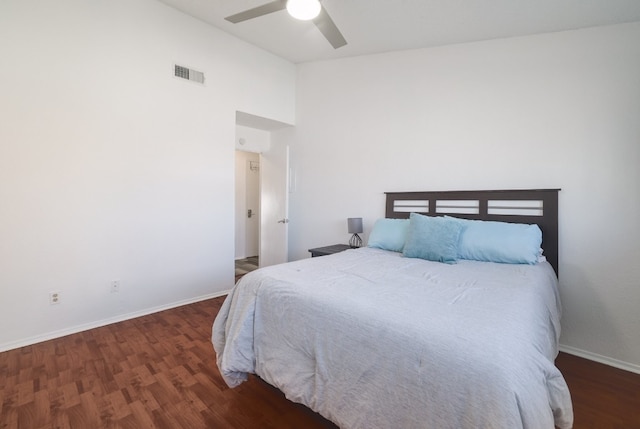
<point x="274" y="205"/>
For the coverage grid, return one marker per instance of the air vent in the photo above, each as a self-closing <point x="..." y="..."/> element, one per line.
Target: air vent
<point x="188" y="74"/>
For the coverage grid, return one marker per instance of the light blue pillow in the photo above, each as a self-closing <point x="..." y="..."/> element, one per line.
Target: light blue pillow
<point x="510" y="243"/>
<point x="389" y="234"/>
<point x="433" y="238"/>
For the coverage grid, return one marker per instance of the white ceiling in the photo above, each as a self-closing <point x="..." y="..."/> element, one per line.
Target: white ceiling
<point x="373" y="26"/>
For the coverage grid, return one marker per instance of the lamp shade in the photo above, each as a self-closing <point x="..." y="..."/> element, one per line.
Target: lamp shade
<point x="303" y="10"/>
<point x="354" y="225"/>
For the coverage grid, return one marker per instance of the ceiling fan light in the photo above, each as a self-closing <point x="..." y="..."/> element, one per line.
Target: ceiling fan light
<point x="303" y="10"/>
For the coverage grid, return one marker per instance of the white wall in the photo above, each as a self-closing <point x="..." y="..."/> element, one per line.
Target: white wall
<point x="250" y="139"/>
<point x="556" y="110"/>
<point x="110" y="167"/>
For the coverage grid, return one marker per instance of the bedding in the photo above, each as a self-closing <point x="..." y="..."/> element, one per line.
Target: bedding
<point x="371" y="339"/>
<point x="509" y="243"/>
<point x="389" y="234"/>
<point x="433" y="238"/>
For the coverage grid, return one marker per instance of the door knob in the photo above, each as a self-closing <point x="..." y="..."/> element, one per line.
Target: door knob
<point x="285" y="220"/>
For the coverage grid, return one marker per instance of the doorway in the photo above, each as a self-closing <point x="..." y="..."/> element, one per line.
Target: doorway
<point x="254" y="136"/>
<point x="247" y="213"/>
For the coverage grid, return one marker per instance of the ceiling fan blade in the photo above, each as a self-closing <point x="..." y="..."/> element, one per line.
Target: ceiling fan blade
<point x="265" y="9"/>
<point x="327" y="27"/>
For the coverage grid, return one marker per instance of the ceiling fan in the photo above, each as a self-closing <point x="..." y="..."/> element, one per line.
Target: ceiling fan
<point x="300" y="9"/>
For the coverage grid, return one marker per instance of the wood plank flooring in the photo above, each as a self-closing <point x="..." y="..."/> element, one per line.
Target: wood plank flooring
<point x="246" y="265"/>
<point x="156" y="371"/>
<point x="159" y="371"/>
<point x="603" y="397"/>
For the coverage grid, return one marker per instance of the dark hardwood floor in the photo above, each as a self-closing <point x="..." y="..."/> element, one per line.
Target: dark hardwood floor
<point x="159" y="371"/>
<point x="603" y="397"/>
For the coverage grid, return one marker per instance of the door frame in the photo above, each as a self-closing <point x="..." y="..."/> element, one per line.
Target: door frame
<point x="275" y="157"/>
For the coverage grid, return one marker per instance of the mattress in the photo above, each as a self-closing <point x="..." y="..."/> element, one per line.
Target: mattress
<point x="370" y="339"/>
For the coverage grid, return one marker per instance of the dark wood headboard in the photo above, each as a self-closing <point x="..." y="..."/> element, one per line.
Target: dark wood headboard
<point x="539" y="206"/>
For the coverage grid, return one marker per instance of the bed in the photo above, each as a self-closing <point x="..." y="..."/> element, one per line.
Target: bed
<point x="375" y="338"/>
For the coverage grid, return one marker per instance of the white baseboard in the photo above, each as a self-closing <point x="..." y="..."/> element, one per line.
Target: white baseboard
<point x="80" y="328"/>
<point x="84" y="327"/>
<point x="602" y="359"/>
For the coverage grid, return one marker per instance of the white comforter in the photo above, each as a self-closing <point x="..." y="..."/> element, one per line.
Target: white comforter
<point x="370" y="339"/>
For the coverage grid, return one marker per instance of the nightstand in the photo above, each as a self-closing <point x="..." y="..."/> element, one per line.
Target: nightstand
<point x="329" y="250"/>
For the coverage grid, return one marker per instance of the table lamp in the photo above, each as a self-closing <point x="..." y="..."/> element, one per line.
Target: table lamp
<point x="354" y="225"/>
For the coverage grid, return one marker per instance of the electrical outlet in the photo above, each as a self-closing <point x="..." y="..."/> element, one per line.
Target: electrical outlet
<point x="115" y="286"/>
<point x="54" y="297"/>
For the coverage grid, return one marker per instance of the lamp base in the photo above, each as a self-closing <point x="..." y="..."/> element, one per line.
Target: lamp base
<point x="355" y="241"/>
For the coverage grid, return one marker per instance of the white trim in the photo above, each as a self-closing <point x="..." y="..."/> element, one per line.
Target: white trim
<point x="602" y="359"/>
<point x="79" y="328"/>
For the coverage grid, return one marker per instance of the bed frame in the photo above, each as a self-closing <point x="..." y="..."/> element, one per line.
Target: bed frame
<point x="539" y="206"/>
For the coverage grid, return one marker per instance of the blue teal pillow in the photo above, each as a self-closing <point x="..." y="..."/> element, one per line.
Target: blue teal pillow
<point x="433" y="238"/>
<point x="389" y="234"/>
<point x="490" y="241"/>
